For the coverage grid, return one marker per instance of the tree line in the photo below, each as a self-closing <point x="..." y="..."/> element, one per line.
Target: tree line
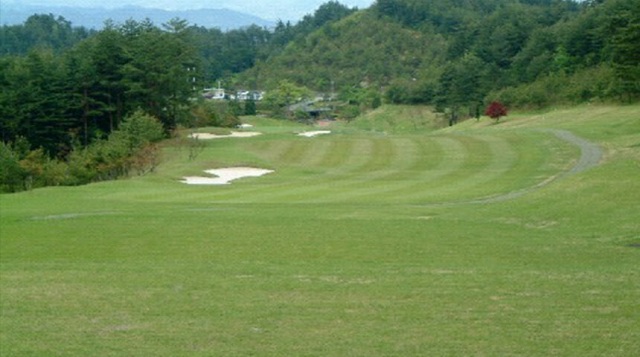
<point x="50" y="98"/>
<point x="61" y="83"/>
<point x="87" y="112"/>
<point x="130" y="149"/>
<point x="41" y="30"/>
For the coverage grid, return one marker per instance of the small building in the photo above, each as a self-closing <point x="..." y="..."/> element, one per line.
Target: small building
<point x="250" y="95"/>
<point x="214" y="93"/>
<point x="242" y="95"/>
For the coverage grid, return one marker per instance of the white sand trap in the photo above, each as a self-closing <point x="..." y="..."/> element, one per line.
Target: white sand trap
<point x="234" y="134"/>
<point x="225" y="176"/>
<point x="310" y="134"/>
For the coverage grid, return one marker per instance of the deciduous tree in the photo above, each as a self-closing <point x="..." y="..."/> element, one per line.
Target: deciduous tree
<point x="496" y="110"/>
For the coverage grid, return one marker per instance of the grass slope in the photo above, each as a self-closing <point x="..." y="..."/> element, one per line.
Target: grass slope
<point x="370" y="241"/>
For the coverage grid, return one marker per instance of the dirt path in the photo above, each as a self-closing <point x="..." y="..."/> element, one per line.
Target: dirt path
<point x="590" y="156"/>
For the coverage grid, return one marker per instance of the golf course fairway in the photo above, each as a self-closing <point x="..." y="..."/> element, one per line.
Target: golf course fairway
<point x="385" y="236"/>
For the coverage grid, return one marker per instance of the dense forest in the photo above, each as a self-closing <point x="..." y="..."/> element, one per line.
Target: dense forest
<point x="455" y="53"/>
<point x="70" y="95"/>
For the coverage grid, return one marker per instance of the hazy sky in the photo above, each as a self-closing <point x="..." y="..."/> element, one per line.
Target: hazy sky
<point x="268" y="9"/>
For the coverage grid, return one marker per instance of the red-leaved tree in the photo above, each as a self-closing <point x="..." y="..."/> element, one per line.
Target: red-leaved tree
<point x="495" y="110"/>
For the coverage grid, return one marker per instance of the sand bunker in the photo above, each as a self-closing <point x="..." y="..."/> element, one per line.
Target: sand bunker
<point x="234" y="134"/>
<point x="225" y="175"/>
<point x="310" y="134"/>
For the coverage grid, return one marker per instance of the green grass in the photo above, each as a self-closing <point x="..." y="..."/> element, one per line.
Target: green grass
<point x="359" y="244"/>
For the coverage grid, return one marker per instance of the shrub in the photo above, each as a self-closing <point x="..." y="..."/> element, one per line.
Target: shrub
<point x="137" y="131"/>
<point x="42" y="171"/>
<point x="12" y="175"/>
<point x="349" y="112"/>
<point x="80" y="166"/>
<point x="218" y="114"/>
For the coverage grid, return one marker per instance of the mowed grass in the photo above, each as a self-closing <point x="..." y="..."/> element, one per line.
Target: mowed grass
<point x="365" y="242"/>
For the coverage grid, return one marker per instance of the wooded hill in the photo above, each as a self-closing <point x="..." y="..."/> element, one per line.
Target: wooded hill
<point x="455" y="53"/>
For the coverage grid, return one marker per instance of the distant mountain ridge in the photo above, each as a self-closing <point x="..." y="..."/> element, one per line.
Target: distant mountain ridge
<point x="94" y="18"/>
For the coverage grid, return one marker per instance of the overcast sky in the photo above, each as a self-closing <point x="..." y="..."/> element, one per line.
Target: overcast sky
<point x="268" y="9"/>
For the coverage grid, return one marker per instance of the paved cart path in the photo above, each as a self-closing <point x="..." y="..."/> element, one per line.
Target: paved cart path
<point x="590" y="156"/>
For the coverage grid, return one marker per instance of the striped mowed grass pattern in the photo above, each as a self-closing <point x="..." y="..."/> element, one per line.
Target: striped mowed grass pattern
<point x="409" y="168"/>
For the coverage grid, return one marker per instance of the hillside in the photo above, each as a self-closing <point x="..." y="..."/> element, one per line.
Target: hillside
<point x="94" y="18"/>
<point x="360" y="49"/>
<point x="456" y="54"/>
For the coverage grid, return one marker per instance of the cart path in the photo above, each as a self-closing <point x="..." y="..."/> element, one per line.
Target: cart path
<point x="590" y="156"/>
<point x="590" y="153"/>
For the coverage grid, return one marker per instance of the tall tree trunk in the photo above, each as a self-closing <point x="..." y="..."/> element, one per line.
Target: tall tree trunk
<point x="85" y="118"/>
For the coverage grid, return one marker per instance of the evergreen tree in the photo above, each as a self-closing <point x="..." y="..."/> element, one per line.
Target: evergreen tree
<point x="624" y="25"/>
<point x="250" y="107"/>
